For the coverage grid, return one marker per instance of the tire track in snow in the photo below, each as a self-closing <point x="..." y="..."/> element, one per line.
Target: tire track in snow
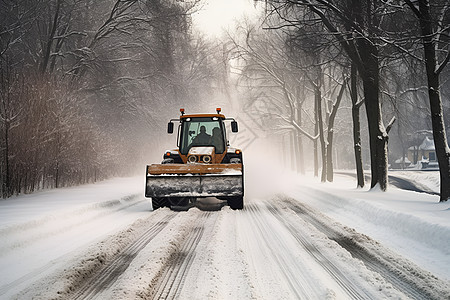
<point x="353" y="291"/>
<point x="5" y="288"/>
<point x="402" y="275"/>
<point x="24" y="236"/>
<point x="171" y="281"/>
<point x="32" y="231"/>
<point x="110" y="272"/>
<point x="297" y="276"/>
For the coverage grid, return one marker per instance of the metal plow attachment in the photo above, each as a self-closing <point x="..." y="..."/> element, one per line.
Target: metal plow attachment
<point x="194" y="181"/>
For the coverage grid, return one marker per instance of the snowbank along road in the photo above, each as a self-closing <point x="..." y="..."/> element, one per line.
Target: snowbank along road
<point x="276" y="248"/>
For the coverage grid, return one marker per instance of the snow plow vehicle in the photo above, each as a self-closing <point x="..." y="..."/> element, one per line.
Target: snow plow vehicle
<point x="202" y="165"/>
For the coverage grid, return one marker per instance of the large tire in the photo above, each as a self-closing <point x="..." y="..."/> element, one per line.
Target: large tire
<point x="158" y="202"/>
<point x="179" y="201"/>
<point x="236" y="202"/>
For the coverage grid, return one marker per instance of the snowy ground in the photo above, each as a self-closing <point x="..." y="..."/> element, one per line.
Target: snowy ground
<point x="416" y="225"/>
<point x="296" y="238"/>
<point x="428" y="179"/>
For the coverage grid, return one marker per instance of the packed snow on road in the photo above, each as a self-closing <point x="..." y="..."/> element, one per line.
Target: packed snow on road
<point x="296" y="238"/>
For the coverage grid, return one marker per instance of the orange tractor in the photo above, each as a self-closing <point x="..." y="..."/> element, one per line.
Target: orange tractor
<point x="202" y="165"/>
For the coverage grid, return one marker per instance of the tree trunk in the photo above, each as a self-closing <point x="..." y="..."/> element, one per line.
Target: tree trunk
<point x="292" y="147"/>
<point x="295" y="138"/>
<point x="331" y="118"/>
<point x="6" y="184"/>
<point x="330" y="156"/>
<point x="356" y="128"/>
<point x="315" y="147"/>
<point x="437" y="117"/>
<point x="300" y="158"/>
<point x="318" y="98"/>
<point x="299" y="143"/>
<point x="378" y="137"/>
<point x="57" y="175"/>
<point x="5" y="115"/>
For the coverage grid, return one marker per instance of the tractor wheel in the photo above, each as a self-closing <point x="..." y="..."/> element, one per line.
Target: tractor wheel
<point x="179" y="201"/>
<point x="236" y="202"/>
<point x="158" y="202"/>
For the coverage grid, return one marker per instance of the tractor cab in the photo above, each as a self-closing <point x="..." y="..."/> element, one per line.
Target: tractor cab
<point x="202" y="130"/>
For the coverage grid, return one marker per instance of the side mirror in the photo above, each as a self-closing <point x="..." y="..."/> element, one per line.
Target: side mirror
<point x="170" y="127"/>
<point x="234" y="126"/>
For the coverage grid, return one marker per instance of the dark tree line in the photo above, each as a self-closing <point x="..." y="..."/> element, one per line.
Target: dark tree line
<point x="85" y="85"/>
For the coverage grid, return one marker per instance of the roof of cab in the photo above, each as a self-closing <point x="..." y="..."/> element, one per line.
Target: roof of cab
<point x="202" y="116"/>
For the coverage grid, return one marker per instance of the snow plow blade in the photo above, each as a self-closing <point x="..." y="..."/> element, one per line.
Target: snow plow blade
<point x="194" y="180"/>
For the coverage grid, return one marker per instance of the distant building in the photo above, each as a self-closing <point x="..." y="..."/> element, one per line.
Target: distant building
<point x="424" y="154"/>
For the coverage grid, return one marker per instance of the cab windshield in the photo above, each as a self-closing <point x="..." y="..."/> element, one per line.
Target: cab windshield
<point x="207" y="131"/>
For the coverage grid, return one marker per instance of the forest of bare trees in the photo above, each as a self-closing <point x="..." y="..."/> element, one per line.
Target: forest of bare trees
<point x="389" y="57"/>
<point x="85" y="86"/>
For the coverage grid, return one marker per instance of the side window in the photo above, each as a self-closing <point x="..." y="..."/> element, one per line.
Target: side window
<point x="191" y="132"/>
<point x="217" y="139"/>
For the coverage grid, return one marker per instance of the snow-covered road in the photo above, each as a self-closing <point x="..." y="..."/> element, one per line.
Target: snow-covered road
<point x="104" y="242"/>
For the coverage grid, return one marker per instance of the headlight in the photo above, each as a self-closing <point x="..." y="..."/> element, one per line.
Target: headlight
<point x="192" y="158"/>
<point x="235" y="160"/>
<point x="168" y="161"/>
<point x="206" y="159"/>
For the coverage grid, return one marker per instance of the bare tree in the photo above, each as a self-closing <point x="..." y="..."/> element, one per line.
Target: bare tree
<point x="279" y="85"/>
<point x="434" y="26"/>
<point x="354" y="25"/>
<point x="275" y="64"/>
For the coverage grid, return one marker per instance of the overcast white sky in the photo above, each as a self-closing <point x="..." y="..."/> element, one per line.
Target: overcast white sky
<point x="217" y="15"/>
